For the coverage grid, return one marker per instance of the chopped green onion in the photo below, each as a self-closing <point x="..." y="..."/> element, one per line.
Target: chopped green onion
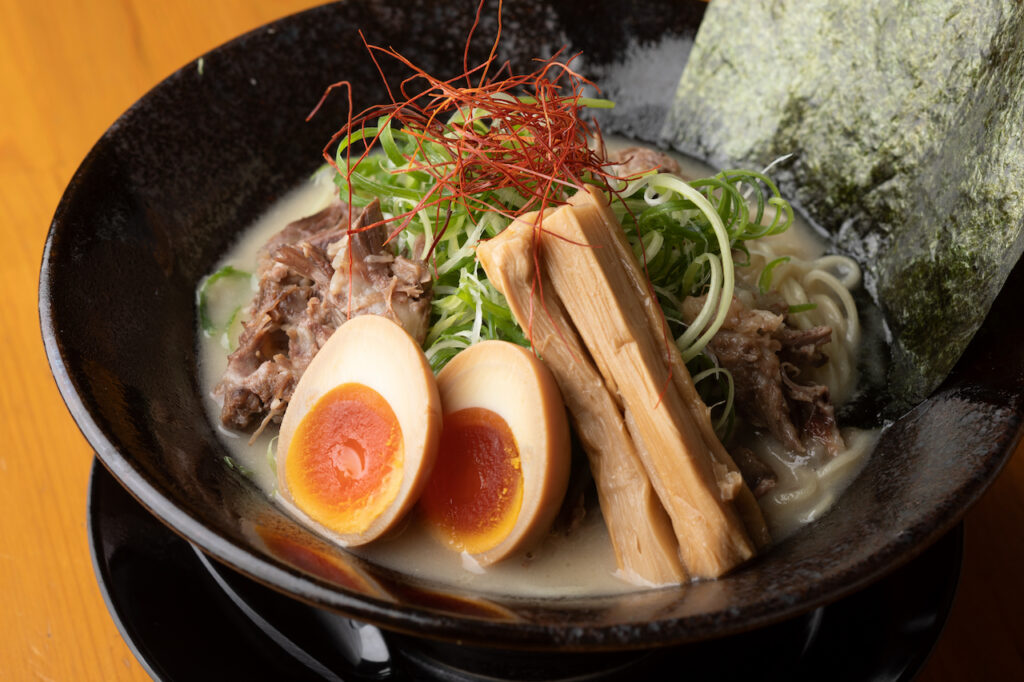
<point x="764" y="282"/>
<point x="272" y="454"/>
<point x="221" y="298"/>
<point x="685" y="234"/>
<point x="237" y="466"/>
<point x="724" y="406"/>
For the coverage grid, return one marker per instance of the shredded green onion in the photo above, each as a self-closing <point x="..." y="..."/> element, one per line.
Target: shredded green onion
<point x="698" y="226"/>
<point x="466" y="307"/>
<point x="272" y="454"/>
<point x="231" y="288"/>
<point x="764" y="282"/>
<point x="684" y="233"/>
<point x="238" y="466"/>
<point x="720" y="406"/>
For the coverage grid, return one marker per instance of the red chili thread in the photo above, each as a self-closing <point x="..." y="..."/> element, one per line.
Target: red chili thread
<point x="536" y="142"/>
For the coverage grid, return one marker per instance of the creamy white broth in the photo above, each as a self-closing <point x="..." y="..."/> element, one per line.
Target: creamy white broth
<point x="580" y="564"/>
<point x="583" y="563"/>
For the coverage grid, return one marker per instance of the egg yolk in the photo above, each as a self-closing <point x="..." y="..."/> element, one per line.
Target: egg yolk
<point x="476" y="491"/>
<point x="344" y="465"/>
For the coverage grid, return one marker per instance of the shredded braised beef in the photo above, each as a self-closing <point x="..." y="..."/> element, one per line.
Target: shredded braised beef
<point x="766" y="358"/>
<point x="759" y="476"/>
<point x="636" y="160"/>
<point x="305" y="293"/>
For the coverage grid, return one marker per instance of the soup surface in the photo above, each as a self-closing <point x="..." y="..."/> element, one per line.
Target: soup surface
<point x="580" y="563"/>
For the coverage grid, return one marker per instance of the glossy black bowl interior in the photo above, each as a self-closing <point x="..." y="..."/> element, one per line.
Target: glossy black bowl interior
<point x="165" y="191"/>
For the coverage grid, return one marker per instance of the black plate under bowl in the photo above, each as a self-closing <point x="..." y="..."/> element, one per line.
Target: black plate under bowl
<point x="189" y="618"/>
<point x="166" y="190"/>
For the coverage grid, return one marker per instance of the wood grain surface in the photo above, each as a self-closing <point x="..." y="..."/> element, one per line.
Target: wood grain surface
<point x="67" y="70"/>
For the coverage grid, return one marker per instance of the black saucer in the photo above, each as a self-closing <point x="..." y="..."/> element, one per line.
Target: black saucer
<point x="187" y="617"/>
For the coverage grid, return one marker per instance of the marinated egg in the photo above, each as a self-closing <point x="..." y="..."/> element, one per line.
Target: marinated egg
<point x="360" y="434"/>
<point x="503" y="464"/>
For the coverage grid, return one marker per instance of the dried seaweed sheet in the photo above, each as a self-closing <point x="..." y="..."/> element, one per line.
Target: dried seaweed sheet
<point x="907" y="124"/>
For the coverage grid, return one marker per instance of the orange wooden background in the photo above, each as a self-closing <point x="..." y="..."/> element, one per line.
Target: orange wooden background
<point x="67" y="70"/>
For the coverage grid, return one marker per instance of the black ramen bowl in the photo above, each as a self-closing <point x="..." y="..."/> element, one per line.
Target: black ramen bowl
<point x="165" y="192"/>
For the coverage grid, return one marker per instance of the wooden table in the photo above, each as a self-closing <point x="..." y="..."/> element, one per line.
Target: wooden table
<point x="67" y="70"/>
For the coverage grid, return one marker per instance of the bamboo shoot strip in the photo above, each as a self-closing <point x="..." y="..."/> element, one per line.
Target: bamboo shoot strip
<point x="641" y="532"/>
<point x="730" y="481"/>
<point x="579" y="246"/>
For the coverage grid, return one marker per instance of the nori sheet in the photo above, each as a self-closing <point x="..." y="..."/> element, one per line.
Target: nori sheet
<point x="906" y="118"/>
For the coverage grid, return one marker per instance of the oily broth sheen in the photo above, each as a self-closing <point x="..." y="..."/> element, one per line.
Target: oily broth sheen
<point x="580" y="564"/>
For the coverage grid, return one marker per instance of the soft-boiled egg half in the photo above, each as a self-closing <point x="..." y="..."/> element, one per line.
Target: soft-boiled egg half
<point x="360" y="434"/>
<point x="503" y="464"/>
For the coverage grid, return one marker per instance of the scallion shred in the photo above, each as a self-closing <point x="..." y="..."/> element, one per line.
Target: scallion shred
<point x="684" y="233"/>
<point x="764" y="281"/>
<point x="231" y="287"/>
